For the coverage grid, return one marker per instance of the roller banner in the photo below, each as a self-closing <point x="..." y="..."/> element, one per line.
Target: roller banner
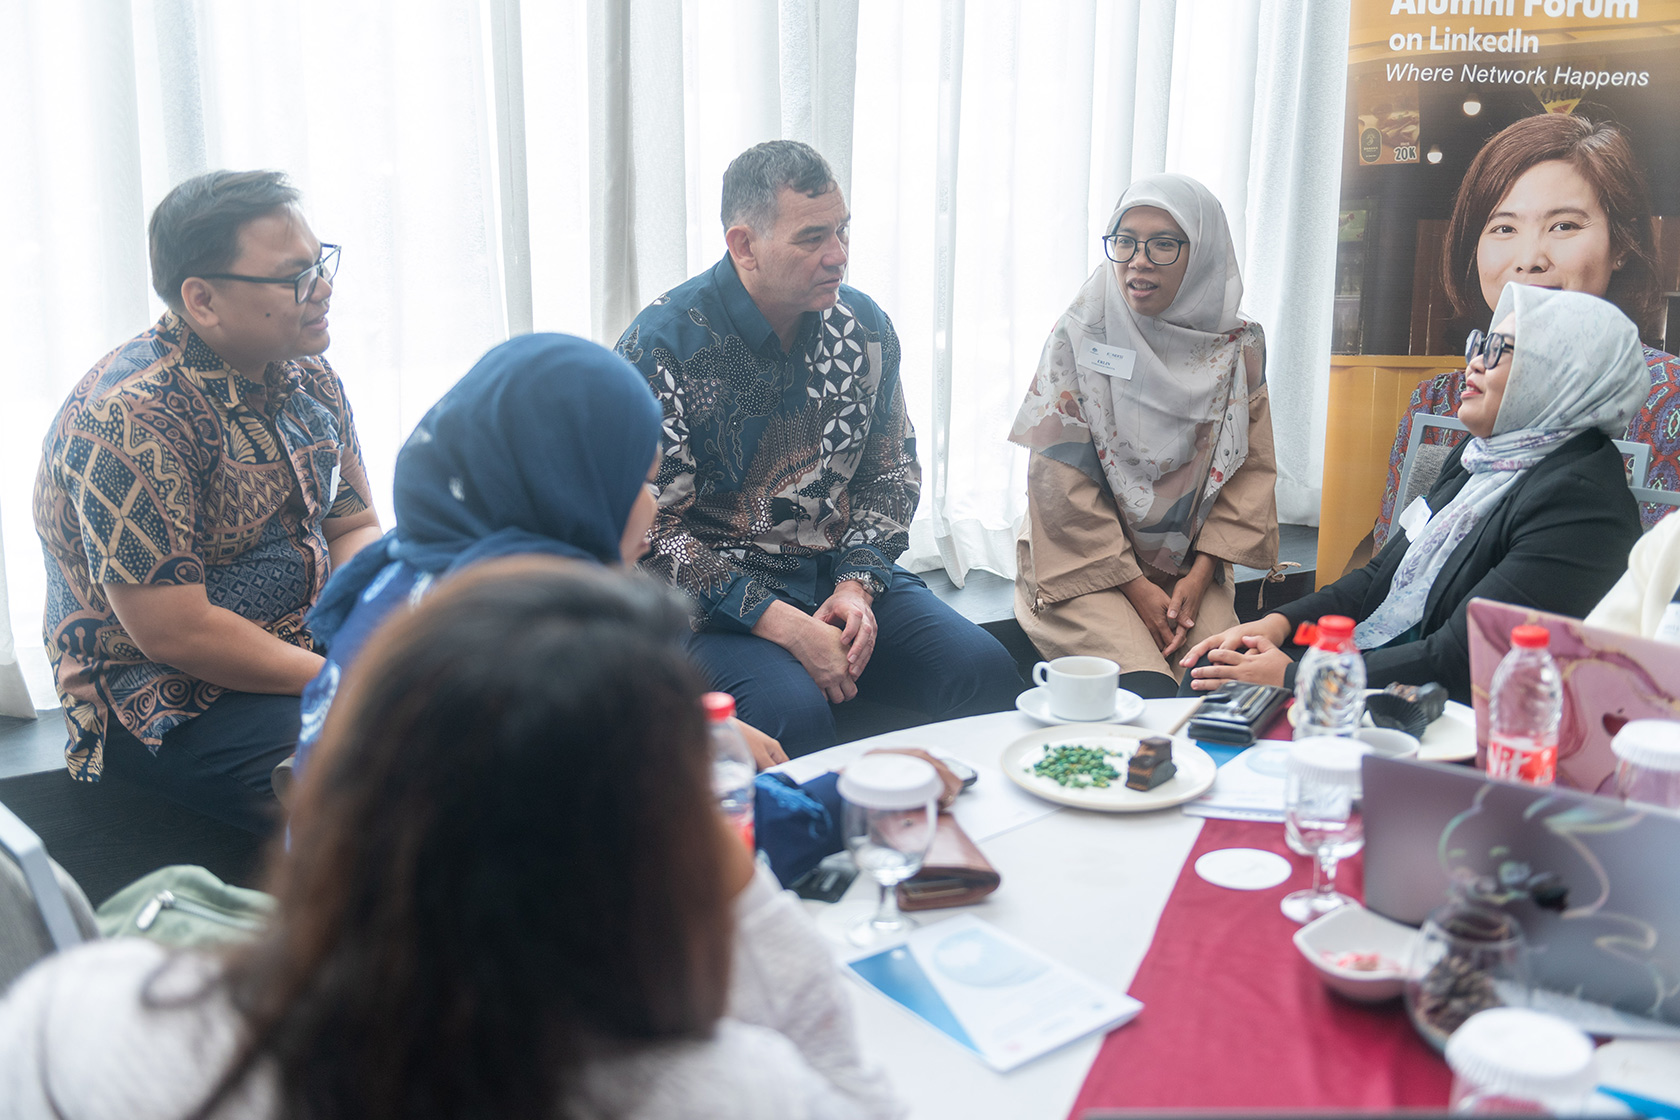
<point x="1430" y="83"/>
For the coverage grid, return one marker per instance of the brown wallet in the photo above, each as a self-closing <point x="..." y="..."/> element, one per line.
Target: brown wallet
<point x="953" y="874"/>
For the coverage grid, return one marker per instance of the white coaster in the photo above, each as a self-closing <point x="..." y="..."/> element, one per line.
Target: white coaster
<point x="1243" y="869"/>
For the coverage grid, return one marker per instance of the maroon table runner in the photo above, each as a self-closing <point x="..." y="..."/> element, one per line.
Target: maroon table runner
<point x="1235" y="1017"/>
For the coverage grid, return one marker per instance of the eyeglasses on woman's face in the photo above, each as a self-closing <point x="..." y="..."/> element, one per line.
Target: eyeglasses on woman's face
<point x="1492" y="347"/>
<point x="303" y="284"/>
<point x="1161" y="250"/>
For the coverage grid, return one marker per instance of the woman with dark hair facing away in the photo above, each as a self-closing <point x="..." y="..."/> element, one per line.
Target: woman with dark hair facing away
<point x="1152" y="468"/>
<point x="1533" y="510"/>
<point x="510" y="894"/>
<point x="1556" y="201"/>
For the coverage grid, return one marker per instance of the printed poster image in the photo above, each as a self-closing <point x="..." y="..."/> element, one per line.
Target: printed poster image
<point x="1430" y="83"/>
<point x="1388" y="121"/>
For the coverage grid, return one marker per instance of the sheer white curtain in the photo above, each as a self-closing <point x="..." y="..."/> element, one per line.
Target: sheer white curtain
<point x="76" y="269"/>
<point x="495" y="166"/>
<point x="378" y="111"/>
<point x="993" y="138"/>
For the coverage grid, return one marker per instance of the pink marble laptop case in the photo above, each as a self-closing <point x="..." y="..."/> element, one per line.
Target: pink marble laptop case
<point x="1608" y="679"/>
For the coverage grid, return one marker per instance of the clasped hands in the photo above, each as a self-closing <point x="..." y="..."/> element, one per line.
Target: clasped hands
<point x="1250" y="652"/>
<point x="1170" y="617"/>
<point x="834" y="643"/>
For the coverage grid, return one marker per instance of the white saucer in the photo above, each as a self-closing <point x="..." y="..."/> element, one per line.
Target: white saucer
<point x="1243" y="869"/>
<point x="1451" y="738"/>
<point x="1035" y="702"/>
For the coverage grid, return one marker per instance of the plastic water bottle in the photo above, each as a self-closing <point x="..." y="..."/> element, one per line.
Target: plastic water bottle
<point x="1525" y="709"/>
<point x="733" y="770"/>
<point x="1330" y="684"/>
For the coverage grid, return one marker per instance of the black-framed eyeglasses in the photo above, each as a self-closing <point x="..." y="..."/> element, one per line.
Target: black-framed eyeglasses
<point x="303" y="284"/>
<point x="1161" y="250"/>
<point x="1491" y="347"/>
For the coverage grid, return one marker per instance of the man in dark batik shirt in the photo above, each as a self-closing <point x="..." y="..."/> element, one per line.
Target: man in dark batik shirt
<point x="788" y="476"/>
<point x="195" y="492"/>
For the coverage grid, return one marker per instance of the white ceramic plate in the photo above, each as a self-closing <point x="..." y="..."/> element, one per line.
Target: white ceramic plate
<point x="1035" y="702"/>
<point x="1195" y="768"/>
<point x="1451" y="738"/>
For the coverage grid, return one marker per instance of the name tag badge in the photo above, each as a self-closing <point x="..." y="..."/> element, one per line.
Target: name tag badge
<point x="1114" y="361"/>
<point x="1415" y="519"/>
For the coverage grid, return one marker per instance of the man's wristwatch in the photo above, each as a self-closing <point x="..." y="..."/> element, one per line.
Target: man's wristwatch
<point x="872" y="583"/>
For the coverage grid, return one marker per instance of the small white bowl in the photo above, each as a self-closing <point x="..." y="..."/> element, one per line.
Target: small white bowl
<point x="1354" y="929"/>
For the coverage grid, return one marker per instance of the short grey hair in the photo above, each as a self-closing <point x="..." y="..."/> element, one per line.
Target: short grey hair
<point x="757" y="176"/>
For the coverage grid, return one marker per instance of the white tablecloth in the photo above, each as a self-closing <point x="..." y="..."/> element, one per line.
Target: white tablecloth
<point x="1085" y="888"/>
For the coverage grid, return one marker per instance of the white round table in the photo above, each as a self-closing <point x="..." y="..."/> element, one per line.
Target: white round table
<point x="1084" y="888"/>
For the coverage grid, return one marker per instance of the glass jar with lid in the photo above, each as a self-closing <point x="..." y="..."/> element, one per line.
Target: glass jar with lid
<point x="1648" y="762"/>
<point x="1468" y="957"/>
<point x="1511" y="1061"/>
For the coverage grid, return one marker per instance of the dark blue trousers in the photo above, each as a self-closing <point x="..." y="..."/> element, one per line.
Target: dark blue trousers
<point x="219" y="763"/>
<point x="928" y="658"/>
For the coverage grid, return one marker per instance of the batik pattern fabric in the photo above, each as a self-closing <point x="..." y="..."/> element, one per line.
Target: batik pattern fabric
<point x="165" y="466"/>
<point x="780" y="473"/>
<point x="1657" y="424"/>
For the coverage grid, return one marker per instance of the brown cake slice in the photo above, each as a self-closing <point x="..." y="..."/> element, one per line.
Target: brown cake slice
<point x="1151" y="764"/>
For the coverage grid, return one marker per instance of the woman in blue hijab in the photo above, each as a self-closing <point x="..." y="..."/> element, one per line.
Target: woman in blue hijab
<point x="544" y="446"/>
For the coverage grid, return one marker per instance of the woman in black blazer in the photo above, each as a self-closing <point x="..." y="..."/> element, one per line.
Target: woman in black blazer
<point x="1534" y="510"/>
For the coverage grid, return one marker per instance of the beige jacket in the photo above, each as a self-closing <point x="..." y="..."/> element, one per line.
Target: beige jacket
<point x="1073" y="541"/>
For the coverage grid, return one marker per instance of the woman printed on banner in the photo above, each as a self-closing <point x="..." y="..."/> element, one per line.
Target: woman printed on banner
<point x="1152" y="469"/>
<point x="1556" y="201"/>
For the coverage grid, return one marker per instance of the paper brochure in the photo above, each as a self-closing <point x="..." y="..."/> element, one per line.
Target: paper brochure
<point x="1002" y="1001"/>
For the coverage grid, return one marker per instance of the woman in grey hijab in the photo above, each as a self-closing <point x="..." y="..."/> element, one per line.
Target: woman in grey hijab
<point x="1534" y="510"/>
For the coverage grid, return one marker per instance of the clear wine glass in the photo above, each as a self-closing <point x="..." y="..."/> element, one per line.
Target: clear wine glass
<point x="1321" y="812"/>
<point x="891" y="812"/>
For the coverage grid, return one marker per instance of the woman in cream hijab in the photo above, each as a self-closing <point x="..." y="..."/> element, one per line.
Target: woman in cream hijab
<point x="1152" y="469"/>
<point x="1534" y="510"/>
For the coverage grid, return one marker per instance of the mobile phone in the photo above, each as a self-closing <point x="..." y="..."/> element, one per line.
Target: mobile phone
<point x="965" y="773"/>
<point x="828" y="880"/>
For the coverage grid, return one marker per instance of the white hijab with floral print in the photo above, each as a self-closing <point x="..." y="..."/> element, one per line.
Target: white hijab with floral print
<point x="1165" y="439"/>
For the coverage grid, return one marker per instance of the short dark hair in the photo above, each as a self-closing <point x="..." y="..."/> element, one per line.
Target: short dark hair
<point x="756" y="176"/>
<point x="1601" y="153"/>
<point x="505" y="855"/>
<point x="195" y="229"/>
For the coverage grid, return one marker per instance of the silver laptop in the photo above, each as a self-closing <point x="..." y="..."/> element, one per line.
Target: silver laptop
<point x="1595" y="883"/>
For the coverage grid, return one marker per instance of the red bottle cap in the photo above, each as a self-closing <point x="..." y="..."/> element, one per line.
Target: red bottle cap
<point x="1334" y="631"/>
<point x="718" y="706"/>
<point x="1531" y="637"/>
<point x="1337" y="626"/>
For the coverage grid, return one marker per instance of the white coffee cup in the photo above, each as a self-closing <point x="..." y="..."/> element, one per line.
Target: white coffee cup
<point x="1080" y="688"/>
